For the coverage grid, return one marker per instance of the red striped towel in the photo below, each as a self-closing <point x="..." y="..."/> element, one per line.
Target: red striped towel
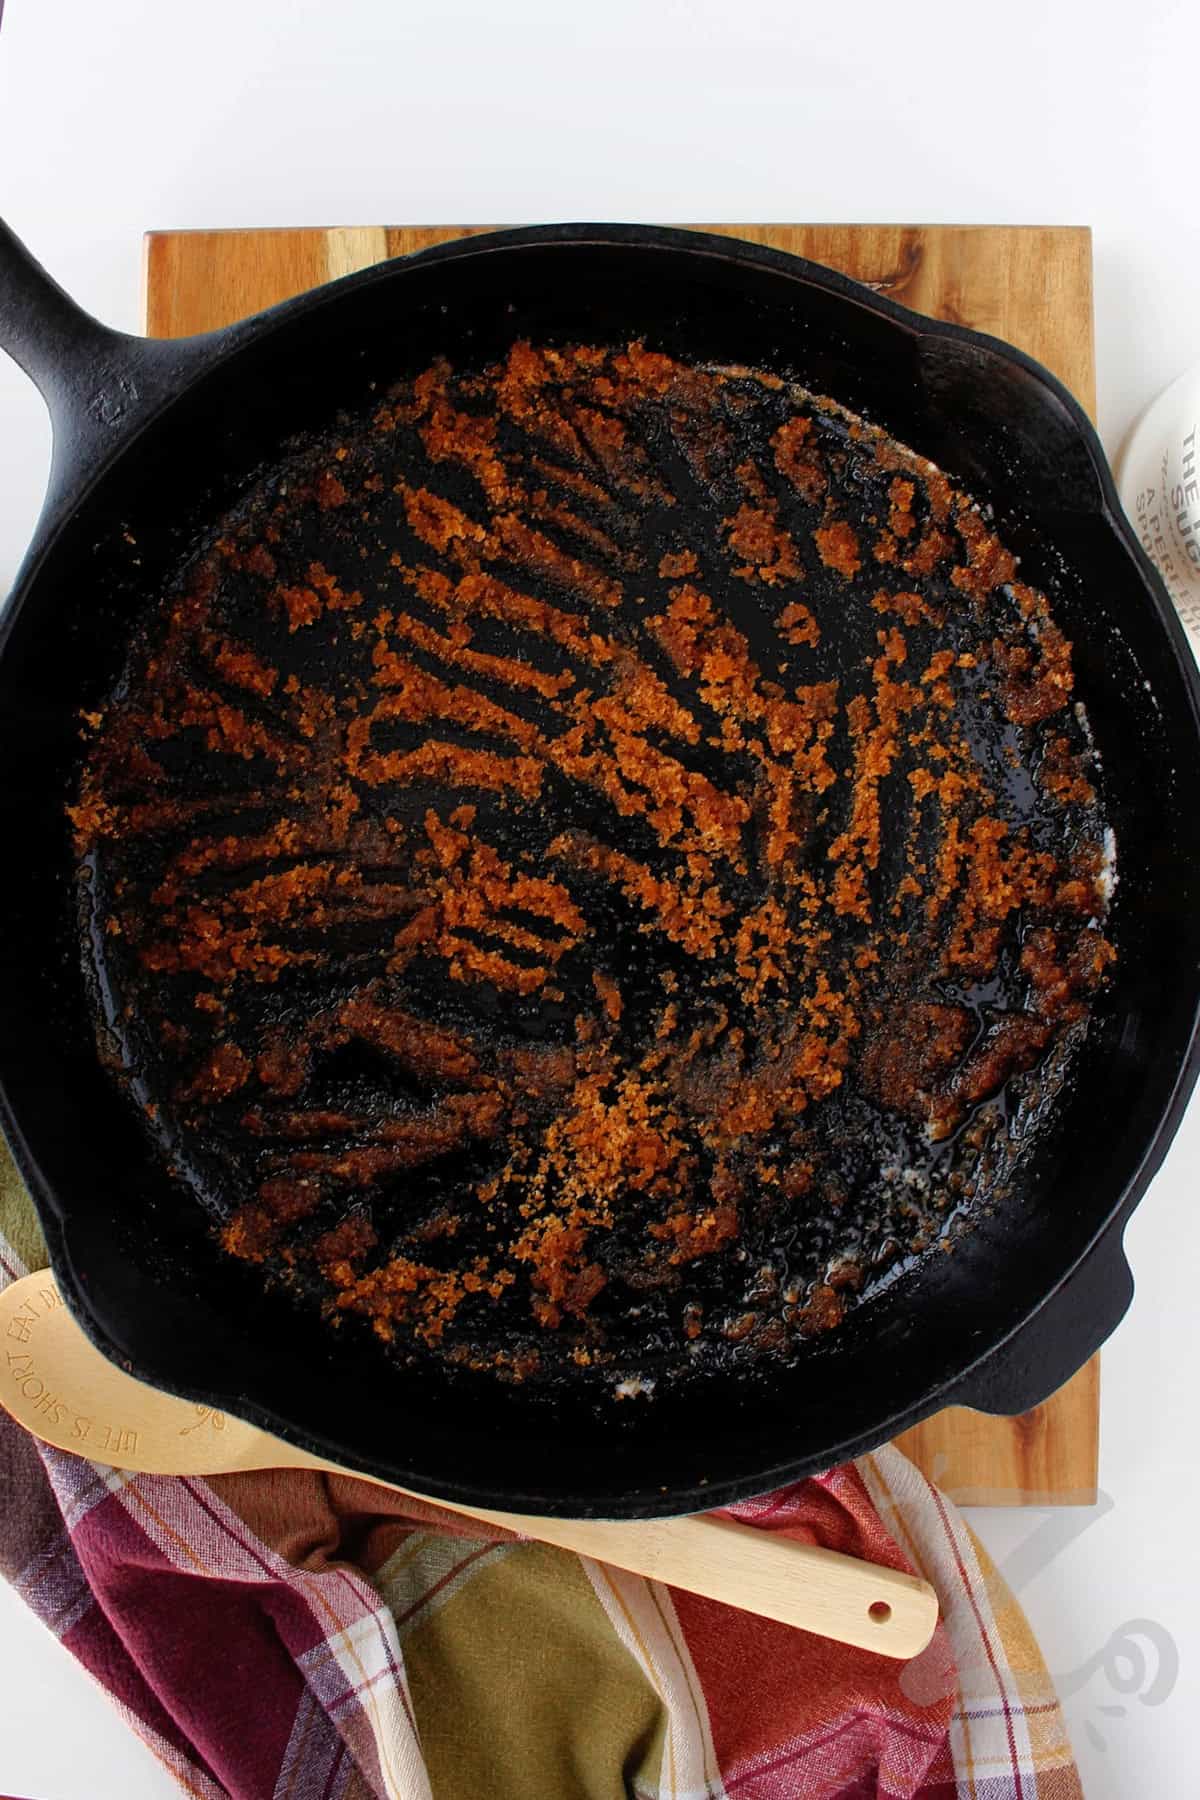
<point x="287" y="1636"/>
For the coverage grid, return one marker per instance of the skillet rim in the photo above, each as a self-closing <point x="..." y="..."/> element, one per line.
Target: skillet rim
<point x="198" y="357"/>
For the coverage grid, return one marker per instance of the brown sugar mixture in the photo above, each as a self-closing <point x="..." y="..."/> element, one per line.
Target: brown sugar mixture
<point x="596" y="866"/>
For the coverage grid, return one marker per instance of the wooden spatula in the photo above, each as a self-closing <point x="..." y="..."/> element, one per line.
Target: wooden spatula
<point x="57" y="1385"/>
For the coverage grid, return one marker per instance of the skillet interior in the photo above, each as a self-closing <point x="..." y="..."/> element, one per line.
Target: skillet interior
<point x="138" y="1262"/>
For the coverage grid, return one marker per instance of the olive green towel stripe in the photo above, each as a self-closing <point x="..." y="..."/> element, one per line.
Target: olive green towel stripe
<point x="18" y="1220"/>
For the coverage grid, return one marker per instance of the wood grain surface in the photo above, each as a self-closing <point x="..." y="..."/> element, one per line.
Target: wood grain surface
<point x="1030" y="284"/>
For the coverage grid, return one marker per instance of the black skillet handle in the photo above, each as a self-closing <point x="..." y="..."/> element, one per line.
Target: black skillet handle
<point x="1058" y="1340"/>
<point x="99" y="384"/>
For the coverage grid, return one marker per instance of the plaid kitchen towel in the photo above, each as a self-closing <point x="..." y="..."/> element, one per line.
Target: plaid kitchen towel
<point x="300" y="1637"/>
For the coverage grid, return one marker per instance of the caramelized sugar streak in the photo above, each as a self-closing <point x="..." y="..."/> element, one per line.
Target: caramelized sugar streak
<point x="578" y="852"/>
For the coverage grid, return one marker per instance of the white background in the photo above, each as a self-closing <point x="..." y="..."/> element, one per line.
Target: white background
<point x="118" y="115"/>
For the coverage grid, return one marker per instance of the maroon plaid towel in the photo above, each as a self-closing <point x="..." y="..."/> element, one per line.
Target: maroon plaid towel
<point x="297" y="1637"/>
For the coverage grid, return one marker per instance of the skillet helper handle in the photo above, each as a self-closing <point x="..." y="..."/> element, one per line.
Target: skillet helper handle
<point x="98" y="384"/>
<point x="1061" y="1336"/>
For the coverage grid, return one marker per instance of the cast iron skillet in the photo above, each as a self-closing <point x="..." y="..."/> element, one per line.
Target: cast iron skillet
<point x="151" y="440"/>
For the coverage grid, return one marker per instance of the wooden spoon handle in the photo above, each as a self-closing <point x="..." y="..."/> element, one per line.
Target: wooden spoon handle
<point x="59" y="1386"/>
<point x="762" y="1572"/>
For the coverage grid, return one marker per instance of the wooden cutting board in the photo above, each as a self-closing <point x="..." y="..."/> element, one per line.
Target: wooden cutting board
<point x="1030" y="284"/>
